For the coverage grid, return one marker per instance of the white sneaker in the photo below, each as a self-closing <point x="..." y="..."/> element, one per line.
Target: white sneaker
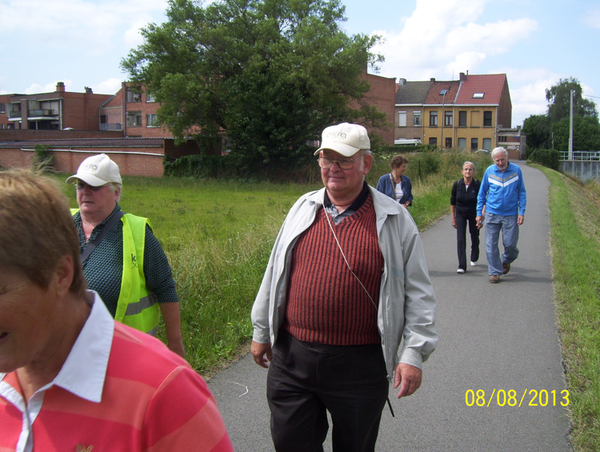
<point x="473" y="264"/>
<point x="460" y="270"/>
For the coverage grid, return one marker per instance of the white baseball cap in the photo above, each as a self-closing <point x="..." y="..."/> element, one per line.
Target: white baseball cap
<point x="345" y="138"/>
<point x="97" y="170"/>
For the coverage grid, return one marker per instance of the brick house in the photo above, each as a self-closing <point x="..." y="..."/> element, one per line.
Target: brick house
<point x="471" y="113"/>
<point x="58" y="110"/>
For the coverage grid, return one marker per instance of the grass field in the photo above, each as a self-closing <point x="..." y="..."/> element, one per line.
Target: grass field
<point x="575" y="244"/>
<point x="218" y="236"/>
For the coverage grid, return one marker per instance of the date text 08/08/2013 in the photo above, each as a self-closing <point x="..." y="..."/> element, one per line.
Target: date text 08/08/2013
<point x="529" y="397"/>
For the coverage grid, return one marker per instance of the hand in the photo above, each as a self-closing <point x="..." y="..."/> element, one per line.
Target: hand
<point x="454" y="222"/>
<point x="409" y="376"/>
<point x="520" y="219"/>
<point x="479" y="219"/>
<point x="259" y="351"/>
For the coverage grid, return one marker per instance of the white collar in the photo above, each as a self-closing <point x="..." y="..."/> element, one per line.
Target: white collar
<point x="84" y="370"/>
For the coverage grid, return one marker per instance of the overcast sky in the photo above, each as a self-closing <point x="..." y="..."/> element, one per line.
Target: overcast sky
<point x="535" y="42"/>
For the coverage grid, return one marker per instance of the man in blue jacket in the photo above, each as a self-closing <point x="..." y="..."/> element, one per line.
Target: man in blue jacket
<point x="503" y="195"/>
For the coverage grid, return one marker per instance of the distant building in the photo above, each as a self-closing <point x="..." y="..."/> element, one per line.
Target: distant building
<point x="468" y="113"/>
<point x="471" y="113"/>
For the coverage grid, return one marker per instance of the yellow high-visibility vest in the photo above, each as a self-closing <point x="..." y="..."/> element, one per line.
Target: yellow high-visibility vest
<point x="136" y="306"/>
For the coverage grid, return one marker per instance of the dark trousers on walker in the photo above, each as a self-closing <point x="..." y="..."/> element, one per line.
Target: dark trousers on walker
<point x="461" y="240"/>
<point x="306" y="380"/>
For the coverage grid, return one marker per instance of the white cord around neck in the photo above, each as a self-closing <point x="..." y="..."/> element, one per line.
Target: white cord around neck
<point x="346" y="260"/>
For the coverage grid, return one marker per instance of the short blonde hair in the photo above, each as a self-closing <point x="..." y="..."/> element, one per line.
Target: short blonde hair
<point x="37" y="228"/>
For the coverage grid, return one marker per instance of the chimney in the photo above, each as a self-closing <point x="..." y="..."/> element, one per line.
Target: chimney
<point x="88" y="90"/>
<point x="401" y="81"/>
<point x="463" y="77"/>
<point x="60" y="87"/>
<point x="432" y="79"/>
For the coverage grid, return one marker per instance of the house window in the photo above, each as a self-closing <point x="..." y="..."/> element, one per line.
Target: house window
<point x="448" y="144"/>
<point x="474" y="144"/>
<point x="462" y="119"/>
<point x="433" y="140"/>
<point x="1" y="108"/>
<point x="417" y="118"/>
<point x="134" y="119"/>
<point x="133" y="96"/>
<point x="478" y="95"/>
<point x="150" y="98"/>
<point x="401" y="119"/>
<point x="448" y="118"/>
<point x="462" y="143"/>
<point x="151" y="120"/>
<point x="487" y="144"/>
<point x="487" y="119"/>
<point x="502" y="139"/>
<point x="433" y="119"/>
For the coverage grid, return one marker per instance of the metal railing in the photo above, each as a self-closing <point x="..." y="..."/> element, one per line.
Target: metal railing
<point x="581" y="155"/>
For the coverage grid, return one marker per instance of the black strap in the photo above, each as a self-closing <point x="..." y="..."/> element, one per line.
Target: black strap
<point x="107" y="227"/>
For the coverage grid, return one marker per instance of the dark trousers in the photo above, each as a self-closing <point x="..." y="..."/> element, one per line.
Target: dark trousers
<point x="306" y="380"/>
<point x="461" y="240"/>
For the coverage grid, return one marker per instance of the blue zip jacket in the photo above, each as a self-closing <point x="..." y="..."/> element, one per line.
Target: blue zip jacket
<point x="502" y="193"/>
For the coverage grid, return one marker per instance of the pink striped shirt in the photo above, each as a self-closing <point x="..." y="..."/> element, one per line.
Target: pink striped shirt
<point x="118" y="390"/>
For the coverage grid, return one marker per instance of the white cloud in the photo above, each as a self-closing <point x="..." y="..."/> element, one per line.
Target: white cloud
<point x="110" y="86"/>
<point x="530" y="99"/>
<point x="442" y="38"/>
<point x="592" y="18"/>
<point x="58" y="24"/>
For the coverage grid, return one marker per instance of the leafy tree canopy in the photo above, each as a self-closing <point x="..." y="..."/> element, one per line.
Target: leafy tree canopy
<point x="552" y="130"/>
<point x="586" y="134"/>
<point x="559" y="101"/>
<point x="269" y="74"/>
<point x="537" y="129"/>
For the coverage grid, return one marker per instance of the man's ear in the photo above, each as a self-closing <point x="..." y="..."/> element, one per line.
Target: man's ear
<point x="368" y="163"/>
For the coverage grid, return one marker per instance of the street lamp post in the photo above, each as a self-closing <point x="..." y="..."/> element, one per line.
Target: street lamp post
<point x="443" y="93"/>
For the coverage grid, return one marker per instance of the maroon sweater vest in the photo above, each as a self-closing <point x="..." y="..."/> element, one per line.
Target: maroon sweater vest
<point x="325" y="302"/>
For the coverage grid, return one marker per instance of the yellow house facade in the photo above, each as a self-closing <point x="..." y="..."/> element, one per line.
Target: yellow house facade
<point x="465" y="114"/>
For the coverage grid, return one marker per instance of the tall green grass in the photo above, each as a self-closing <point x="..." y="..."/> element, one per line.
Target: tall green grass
<point x="575" y="244"/>
<point x="218" y="236"/>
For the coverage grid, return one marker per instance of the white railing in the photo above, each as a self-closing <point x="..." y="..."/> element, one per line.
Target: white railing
<point x="581" y="155"/>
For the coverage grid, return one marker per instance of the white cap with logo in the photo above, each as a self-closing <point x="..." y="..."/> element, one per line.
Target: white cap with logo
<point x="345" y="138"/>
<point x="97" y="170"/>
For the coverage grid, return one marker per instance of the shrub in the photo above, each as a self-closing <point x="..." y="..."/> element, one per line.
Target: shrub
<point x="546" y="157"/>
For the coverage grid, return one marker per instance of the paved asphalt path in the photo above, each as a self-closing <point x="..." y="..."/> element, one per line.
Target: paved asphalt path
<point x="492" y="337"/>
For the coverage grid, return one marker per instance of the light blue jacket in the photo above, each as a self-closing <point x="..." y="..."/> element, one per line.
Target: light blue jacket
<point x="406" y="299"/>
<point x="502" y="193"/>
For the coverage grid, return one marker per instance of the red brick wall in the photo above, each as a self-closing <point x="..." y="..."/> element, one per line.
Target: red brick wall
<point x="383" y="95"/>
<point x="140" y="162"/>
<point x="26" y="135"/>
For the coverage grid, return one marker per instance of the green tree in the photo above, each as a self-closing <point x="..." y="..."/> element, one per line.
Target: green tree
<point x="586" y="134"/>
<point x="537" y="129"/>
<point x="268" y="74"/>
<point x="559" y="101"/>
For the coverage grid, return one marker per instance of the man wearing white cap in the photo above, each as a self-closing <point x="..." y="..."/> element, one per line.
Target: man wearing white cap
<point x="346" y="301"/>
<point x="122" y="259"/>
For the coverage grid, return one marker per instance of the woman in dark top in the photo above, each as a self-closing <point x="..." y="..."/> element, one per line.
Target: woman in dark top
<point x="463" y="204"/>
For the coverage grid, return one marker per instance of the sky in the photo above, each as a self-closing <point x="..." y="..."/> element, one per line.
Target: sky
<point x="536" y="43"/>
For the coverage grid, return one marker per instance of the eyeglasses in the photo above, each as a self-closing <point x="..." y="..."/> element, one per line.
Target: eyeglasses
<point x="82" y="185"/>
<point x="343" y="163"/>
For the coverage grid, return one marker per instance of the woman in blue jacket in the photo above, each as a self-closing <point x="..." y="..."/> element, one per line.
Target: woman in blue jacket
<point x="395" y="184"/>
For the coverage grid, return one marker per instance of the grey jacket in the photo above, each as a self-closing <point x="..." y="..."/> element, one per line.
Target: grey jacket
<point x="406" y="299"/>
